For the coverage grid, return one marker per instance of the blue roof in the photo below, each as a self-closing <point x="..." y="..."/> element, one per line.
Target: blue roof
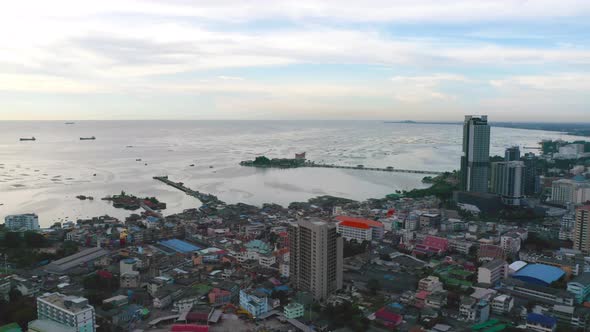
<point x="179" y="246"/>
<point x="541" y="319"/>
<point x="539" y="274"/>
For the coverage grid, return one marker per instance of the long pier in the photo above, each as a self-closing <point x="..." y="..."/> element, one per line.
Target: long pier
<point x="294" y="163"/>
<point x="363" y="168"/>
<point x="208" y="199"/>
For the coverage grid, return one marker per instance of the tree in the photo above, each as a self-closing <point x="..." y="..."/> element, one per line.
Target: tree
<point x="12" y="240"/>
<point x="35" y="240"/>
<point x="374" y="286"/>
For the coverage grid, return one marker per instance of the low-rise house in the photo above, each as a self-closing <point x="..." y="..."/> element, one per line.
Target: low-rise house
<point x="472" y="310"/>
<point x="492" y="272"/>
<point x="579" y="287"/>
<point x="293" y="310"/>
<point x="502" y="304"/>
<point x="430" y="284"/>
<point x="436" y="300"/>
<point x="253" y="301"/>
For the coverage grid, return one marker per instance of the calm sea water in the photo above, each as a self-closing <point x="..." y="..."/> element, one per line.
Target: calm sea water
<point x="45" y="176"/>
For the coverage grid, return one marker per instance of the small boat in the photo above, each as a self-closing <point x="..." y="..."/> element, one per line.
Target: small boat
<point x="28" y="139"/>
<point x="87" y="138"/>
<point x="70" y="123"/>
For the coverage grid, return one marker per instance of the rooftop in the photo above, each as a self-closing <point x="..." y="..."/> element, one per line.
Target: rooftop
<point x="368" y="222"/>
<point x="72" y="304"/>
<point x="539" y="274"/>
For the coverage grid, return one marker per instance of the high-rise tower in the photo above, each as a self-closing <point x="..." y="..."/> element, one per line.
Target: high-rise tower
<point x="475" y="161"/>
<point x="315" y="257"/>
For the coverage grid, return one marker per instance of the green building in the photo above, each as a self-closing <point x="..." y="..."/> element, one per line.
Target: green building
<point x="294" y="310"/>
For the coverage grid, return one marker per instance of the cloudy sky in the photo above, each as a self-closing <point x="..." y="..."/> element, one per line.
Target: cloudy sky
<point x="270" y="59"/>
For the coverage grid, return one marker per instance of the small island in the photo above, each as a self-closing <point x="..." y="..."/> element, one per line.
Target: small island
<point x="263" y="161"/>
<point x="130" y="202"/>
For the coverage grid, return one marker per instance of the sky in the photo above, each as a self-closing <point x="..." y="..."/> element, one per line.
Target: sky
<point x="515" y="60"/>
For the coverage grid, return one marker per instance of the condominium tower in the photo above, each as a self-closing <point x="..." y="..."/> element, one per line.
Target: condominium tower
<point x="315" y="257"/>
<point x="508" y="180"/>
<point x="475" y="161"/>
<point x="582" y="229"/>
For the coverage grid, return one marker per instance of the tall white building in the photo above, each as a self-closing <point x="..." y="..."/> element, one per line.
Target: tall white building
<point x="28" y="221"/>
<point x="67" y="310"/>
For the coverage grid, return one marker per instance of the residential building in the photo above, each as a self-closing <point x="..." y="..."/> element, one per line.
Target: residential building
<point x="507" y="181"/>
<point x="579" y="287"/>
<point x="253" y="301"/>
<point x="460" y="246"/>
<point x="531" y="178"/>
<point x="130" y="279"/>
<point x="430" y="284"/>
<point x="43" y="325"/>
<point x="294" y="310"/>
<point x="475" y="161"/>
<point x="582" y="229"/>
<point x="315" y="257"/>
<point x="492" y="272"/>
<point x="28" y="221"/>
<point x="512" y="154"/>
<point x="510" y="243"/>
<point x="502" y="304"/>
<point x="67" y="310"/>
<point x="472" y="310"/>
<point x="576" y="191"/>
<point x="218" y="297"/>
<point x="436" y="300"/>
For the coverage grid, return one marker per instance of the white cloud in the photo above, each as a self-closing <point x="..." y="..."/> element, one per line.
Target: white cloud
<point x="574" y="82"/>
<point x="414" y="89"/>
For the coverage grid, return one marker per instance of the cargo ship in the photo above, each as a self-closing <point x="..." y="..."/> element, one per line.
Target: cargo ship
<point x="28" y="139"/>
<point x="87" y="138"/>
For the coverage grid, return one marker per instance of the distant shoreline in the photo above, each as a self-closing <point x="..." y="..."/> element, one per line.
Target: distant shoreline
<point x="576" y="129"/>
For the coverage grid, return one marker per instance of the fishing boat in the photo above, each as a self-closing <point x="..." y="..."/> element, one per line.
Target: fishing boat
<point x="28" y="139"/>
<point x="87" y="138"/>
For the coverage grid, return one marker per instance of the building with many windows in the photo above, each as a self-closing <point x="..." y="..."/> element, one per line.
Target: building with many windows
<point x="67" y="310"/>
<point x="579" y="287"/>
<point x="316" y="257"/>
<point x="582" y="229"/>
<point x="253" y="301"/>
<point x="575" y="191"/>
<point x="507" y="181"/>
<point x="294" y="310"/>
<point x="475" y="161"/>
<point x="360" y="229"/>
<point x="492" y="272"/>
<point x="28" y="221"/>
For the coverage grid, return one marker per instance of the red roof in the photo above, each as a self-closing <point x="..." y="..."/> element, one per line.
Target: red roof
<point x="189" y="328"/>
<point x="354" y="224"/>
<point x="388" y="316"/>
<point x="368" y="222"/>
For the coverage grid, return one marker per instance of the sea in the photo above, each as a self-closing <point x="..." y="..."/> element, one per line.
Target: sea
<point x="46" y="175"/>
